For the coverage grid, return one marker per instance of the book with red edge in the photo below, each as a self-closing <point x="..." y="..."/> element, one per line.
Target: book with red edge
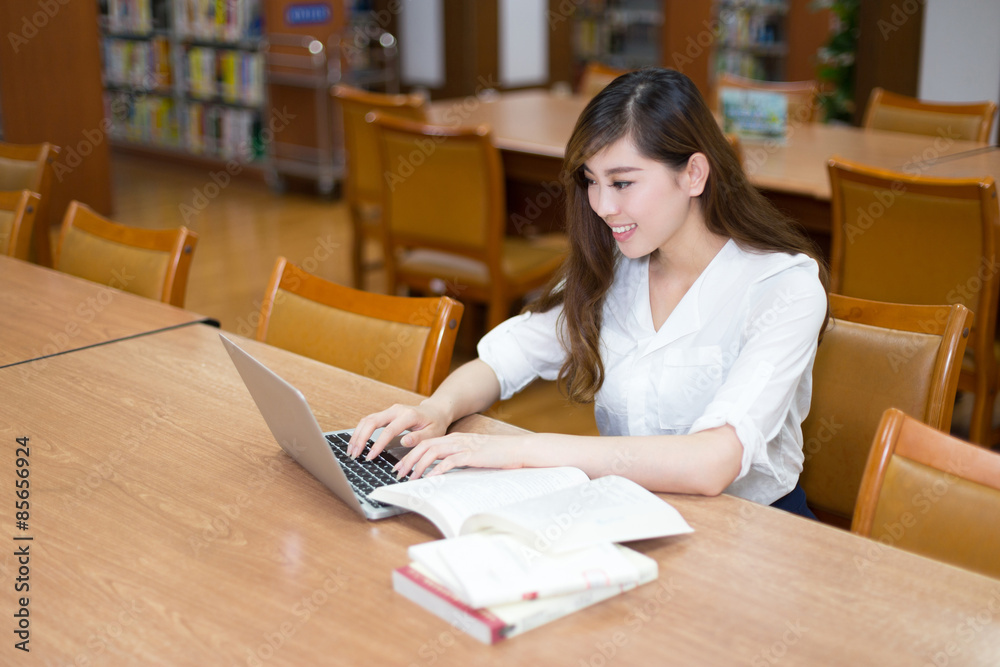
<point x="493" y="624"/>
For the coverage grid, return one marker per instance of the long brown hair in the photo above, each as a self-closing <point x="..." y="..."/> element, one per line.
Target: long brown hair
<point x="666" y="119"/>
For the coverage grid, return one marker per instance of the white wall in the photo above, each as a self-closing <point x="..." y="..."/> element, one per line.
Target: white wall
<point x="960" y="55"/>
<point x="524" y="42"/>
<point x="421" y="43"/>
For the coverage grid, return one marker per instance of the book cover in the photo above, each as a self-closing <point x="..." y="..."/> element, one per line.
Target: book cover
<point x="494" y="624"/>
<point x="488" y="569"/>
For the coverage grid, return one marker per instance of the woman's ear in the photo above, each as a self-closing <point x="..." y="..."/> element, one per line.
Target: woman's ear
<point x="697" y="173"/>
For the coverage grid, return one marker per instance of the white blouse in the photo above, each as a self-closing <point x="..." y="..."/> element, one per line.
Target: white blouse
<point x="738" y="349"/>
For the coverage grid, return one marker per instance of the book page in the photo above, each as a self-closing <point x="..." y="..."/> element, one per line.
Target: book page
<point x="448" y="500"/>
<point x="606" y="509"/>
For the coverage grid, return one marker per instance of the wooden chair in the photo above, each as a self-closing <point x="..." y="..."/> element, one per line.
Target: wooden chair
<point x="801" y="95"/>
<point x="17" y="219"/>
<point x="402" y="341"/>
<point x="915" y="239"/>
<point x="596" y="76"/>
<point x="444" y="214"/>
<point x="930" y="493"/>
<point x="899" y="113"/>
<point x="363" y="189"/>
<point x="874" y="356"/>
<point x="29" y="167"/>
<point x="153" y="263"/>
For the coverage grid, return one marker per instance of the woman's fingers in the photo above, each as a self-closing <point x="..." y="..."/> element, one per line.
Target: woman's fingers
<point x="423" y="422"/>
<point x="424" y="454"/>
<point x="457" y="450"/>
<point x="395" y="419"/>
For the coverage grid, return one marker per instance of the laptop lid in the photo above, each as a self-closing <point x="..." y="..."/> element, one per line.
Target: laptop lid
<point x="294" y="426"/>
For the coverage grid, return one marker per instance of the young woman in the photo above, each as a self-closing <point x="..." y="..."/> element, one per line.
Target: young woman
<point x="688" y="312"/>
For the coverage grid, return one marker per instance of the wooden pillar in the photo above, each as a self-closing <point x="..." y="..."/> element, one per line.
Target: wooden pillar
<point x="51" y="90"/>
<point x="808" y="31"/>
<point x="888" y="55"/>
<point x="688" y="40"/>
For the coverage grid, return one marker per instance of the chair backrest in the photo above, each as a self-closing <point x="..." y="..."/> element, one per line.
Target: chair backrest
<point x="17" y="220"/>
<point x="149" y="262"/>
<point x="874" y="356"/>
<point x="913" y="239"/>
<point x="364" y="170"/>
<point x="801" y="95"/>
<point x="403" y="341"/>
<point x="29" y="167"/>
<point x="596" y="76"/>
<point x="890" y="111"/>
<point x="930" y="493"/>
<point x="444" y="190"/>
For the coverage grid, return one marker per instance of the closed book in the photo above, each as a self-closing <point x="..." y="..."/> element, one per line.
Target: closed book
<point x="487" y="569"/>
<point x="496" y="623"/>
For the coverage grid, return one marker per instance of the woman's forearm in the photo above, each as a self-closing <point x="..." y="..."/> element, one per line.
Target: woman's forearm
<point x="471" y="388"/>
<point x="704" y="463"/>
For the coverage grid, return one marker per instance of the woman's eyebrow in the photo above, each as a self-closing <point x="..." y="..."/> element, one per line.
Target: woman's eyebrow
<point x="613" y="171"/>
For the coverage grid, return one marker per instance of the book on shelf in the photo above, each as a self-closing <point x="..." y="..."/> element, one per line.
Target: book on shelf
<point x="549" y="509"/>
<point x="496" y="623"/>
<point x="130" y="16"/>
<point x="219" y="20"/>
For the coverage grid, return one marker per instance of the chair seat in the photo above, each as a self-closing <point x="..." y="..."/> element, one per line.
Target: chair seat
<point x="524" y="260"/>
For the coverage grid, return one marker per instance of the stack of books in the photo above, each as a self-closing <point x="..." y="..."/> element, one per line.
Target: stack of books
<point x="525" y="547"/>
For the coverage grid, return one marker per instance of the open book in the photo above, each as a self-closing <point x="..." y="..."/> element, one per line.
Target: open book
<point x="551" y="510"/>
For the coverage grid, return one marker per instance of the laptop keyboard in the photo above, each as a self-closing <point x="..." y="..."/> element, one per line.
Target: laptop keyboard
<point x="364" y="476"/>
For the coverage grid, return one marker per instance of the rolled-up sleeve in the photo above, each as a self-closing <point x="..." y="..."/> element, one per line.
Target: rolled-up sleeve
<point x="778" y="346"/>
<point x="522" y="349"/>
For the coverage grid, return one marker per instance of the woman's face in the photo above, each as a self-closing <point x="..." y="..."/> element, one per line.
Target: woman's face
<point x="646" y="204"/>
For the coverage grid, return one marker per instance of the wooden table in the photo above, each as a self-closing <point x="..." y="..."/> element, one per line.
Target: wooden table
<point x="45" y="312"/>
<point x="798" y="166"/>
<point x="169" y="529"/>
<point x="532" y="128"/>
<point x="974" y="164"/>
<point x="539" y="123"/>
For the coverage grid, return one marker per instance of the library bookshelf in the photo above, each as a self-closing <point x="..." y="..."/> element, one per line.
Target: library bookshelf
<point x="217" y="81"/>
<point x="185" y="77"/>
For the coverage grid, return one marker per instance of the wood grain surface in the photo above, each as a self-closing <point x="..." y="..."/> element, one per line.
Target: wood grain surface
<point x="169" y="529"/>
<point x="46" y="312"/>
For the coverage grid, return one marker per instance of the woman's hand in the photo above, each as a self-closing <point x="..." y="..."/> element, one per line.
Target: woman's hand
<point x="456" y="450"/>
<point x="423" y="421"/>
<point x="471" y="388"/>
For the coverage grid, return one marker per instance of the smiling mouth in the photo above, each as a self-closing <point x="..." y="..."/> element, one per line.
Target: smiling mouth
<point x="623" y="229"/>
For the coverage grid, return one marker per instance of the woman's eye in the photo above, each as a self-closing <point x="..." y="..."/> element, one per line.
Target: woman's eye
<point x="590" y="182"/>
<point x="621" y="185"/>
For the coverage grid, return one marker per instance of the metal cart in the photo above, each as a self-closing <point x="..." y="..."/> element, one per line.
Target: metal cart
<point x="362" y="56"/>
<point x="301" y="61"/>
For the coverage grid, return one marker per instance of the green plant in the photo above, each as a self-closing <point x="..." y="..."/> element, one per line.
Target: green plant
<point x="835" y="69"/>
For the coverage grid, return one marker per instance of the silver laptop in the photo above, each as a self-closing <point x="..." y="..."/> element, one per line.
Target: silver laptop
<point x="294" y="426"/>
